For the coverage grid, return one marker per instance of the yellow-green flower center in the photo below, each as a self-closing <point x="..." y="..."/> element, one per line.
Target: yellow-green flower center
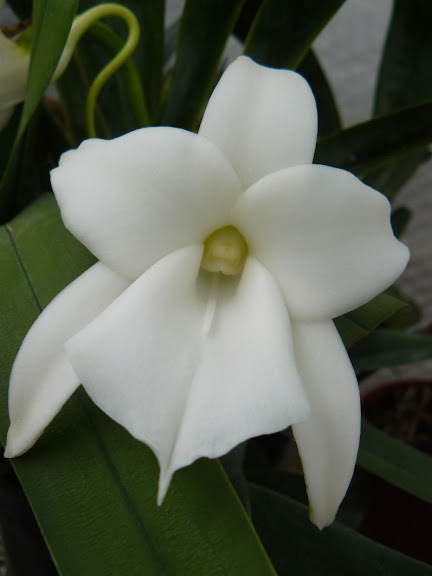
<point x="225" y="251"/>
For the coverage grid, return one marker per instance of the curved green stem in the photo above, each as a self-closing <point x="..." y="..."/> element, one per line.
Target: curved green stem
<point x="112" y="42"/>
<point x="81" y="25"/>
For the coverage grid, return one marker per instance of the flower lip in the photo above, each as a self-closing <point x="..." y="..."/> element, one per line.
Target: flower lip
<point x="225" y="250"/>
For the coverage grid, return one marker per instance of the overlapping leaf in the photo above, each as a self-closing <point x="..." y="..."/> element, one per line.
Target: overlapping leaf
<point x="52" y="20"/>
<point x="396" y="462"/>
<point x="377" y="142"/>
<point x="283" y="32"/>
<point x="203" y="33"/>
<point x="387" y="348"/>
<point x="404" y="79"/>
<point x="298" y="547"/>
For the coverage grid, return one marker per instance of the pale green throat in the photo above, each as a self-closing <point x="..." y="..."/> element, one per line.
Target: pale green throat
<point x="225" y="250"/>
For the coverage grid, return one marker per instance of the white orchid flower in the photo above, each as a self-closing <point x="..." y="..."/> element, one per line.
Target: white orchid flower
<point x="224" y="256"/>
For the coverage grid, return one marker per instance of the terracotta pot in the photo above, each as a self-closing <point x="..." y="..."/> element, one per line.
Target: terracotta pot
<point x="403" y="409"/>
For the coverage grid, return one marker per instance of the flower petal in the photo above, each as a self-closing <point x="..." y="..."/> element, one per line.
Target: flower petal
<point x="42" y="378"/>
<point x="247" y="382"/>
<point x="137" y="359"/>
<point x="328" y="441"/>
<point x="262" y="119"/>
<point x="139" y="197"/>
<point x="324" y="235"/>
<point x="183" y="378"/>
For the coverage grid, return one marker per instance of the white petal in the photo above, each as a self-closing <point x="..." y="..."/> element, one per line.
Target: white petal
<point x="262" y="119"/>
<point x="14" y="65"/>
<point x="137" y="359"/>
<point x="328" y="441"/>
<point x="42" y="378"/>
<point x="247" y="382"/>
<point x="184" y="378"/>
<point x="139" y="197"/>
<point x="324" y="235"/>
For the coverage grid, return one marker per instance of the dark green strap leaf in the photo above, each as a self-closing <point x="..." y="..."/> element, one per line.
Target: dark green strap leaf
<point x="296" y="547"/>
<point x="246" y="18"/>
<point x="404" y="79"/>
<point x="203" y="33"/>
<point x="359" y="323"/>
<point x="389" y="179"/>
<point x="387" y="348"/>
<point x="329" y="120"/>
<point x="351" y="511"/>
<point x="171" y="34"/>
<point x="283" y="32"/>
<point x="406" y="317"/>
<point x="400" y="219"/>
<point x="52" y="20"/>
<point x="377" y="142"/>
<point x="395" y="462"/>
<point x="91" y="485"/>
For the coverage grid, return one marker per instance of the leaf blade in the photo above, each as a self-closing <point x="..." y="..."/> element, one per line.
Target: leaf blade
<point x="387" y="348"/>
<point x="379" y="141"/>
<point x="297" y="547"/>
<point x="203" y="32"/>
<point x="283" y="32"/>
<point x="395" y="462"/>
<point x="404" y="79"/>
<point x="359" y="323"/>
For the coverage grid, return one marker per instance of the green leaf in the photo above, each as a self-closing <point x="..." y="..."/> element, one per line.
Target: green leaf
<point x="233" y="464"/>
<point x="39" y="151"/>
<point x="204" y="30"/>
<point x="92" y="486"/>
<point x="296" y="547"/>
<point x="150" y="50"/>
<point x="26" y="550"/>
<point x="404" y="79"/>
<point x="377" y="142"/>
<point x="395" y="462"/>
<point x="52" y="20"/>
<point x="359" y="323"/>
<point x="171" y="34"/>
<point x="389" y="179"/>
<point x="246" y="18"/>
<point x="387" y="348"/>
<point x="283" y="32"/>
<point x="404" y="76"/>
<point x="351" y="512"/>
<point x="400" y="219"/>
<point x="328" y="115"/>
<point x="406" y="317"/>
